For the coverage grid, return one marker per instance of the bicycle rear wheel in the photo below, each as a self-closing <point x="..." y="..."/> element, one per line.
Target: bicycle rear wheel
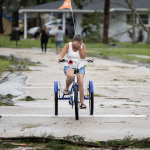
<point x="76" y="102"/>
<point x="91" y="97"/>
<point x="56" y="97"/>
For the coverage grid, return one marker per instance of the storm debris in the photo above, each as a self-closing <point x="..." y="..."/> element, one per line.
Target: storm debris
<point x="6" y="100"/>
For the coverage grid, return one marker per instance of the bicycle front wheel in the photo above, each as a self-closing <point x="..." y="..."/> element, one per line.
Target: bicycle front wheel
<point x="76" y="102"/>
<point x="56" y="97"/>
<point x="91" y="97"/>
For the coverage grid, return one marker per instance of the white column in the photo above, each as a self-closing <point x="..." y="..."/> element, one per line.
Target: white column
<point x="51" y="16"/>
<point x="64" y="24"/>
<point x="67" y="15"/>
<point x="78" y="20"/>
<point x="25" y="25"/>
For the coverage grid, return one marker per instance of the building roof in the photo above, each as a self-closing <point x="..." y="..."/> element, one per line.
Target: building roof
<point x="95" y="5"/>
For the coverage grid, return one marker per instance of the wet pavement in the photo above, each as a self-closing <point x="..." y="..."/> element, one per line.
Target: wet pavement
<point x="11" y="83"/>
<point x="121" y="107"/>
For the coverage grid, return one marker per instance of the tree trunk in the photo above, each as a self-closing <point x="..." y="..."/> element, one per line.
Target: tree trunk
<point x="148" y="36"/>
<point x="106" y="21"/>
<point x="1" y="22"/>
<point x="133" y="27"/>
<point x="15" y="18"/>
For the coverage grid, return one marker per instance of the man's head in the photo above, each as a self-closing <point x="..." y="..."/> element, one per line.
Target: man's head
<point x="78" y="37"/>
<point x="77" y="40"/>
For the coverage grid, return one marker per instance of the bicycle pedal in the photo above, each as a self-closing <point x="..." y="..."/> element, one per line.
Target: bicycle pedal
<point x="67" y="94"/>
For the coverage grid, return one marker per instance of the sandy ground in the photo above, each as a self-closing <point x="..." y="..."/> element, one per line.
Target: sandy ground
<point x="113" y="118"/>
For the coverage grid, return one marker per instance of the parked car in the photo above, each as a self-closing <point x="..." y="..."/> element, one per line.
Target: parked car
<point x="53" y="26"/>
<point x="34" y="31"/>
<point x="69" y="31"/>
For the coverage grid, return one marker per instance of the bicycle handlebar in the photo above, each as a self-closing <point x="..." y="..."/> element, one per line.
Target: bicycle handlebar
<point x="70" y="62"/>
<point x="88" y="60"/>
<point x="63" y="60"/>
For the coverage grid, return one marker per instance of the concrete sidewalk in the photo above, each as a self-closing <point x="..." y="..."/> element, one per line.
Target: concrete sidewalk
<point x="121" y="109"/>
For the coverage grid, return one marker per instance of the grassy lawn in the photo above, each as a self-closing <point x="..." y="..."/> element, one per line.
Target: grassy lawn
<point x="123" y="53"/>
<point x="94" y="49"/>
<point x="28" y="43"/>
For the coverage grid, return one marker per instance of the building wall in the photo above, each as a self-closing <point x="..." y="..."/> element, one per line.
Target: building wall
<point x="118" y="25"/>
<point x="112" y="24"/>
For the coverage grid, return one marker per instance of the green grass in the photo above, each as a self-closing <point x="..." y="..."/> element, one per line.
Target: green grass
<point x="28" y="43"/>
<point x="93" y="49"/>
<point x="5" y="42"/>
<point x="122" y="52"/>
<point x="97" y="95"/>
<point x="3" y="64"/>
<point x="3" y="104"/>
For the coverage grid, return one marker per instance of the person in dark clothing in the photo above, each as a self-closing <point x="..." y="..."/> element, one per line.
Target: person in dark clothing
<point x="84" y="31"/>
<point x="44" y="37"/>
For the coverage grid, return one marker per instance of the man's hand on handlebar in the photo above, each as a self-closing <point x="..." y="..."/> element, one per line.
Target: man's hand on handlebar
<point x="59" y="59"/>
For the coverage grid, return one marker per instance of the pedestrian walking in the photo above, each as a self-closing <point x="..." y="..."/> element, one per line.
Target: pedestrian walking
<point x="44" y="37"/>
<point x="59" y="38"/>
<point x="84" y="31"/>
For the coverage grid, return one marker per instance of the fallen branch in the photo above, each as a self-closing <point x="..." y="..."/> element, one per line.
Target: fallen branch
<point x="117" y="147"/>
<point x="135" y="142"/>
<point x="55" y="139"/>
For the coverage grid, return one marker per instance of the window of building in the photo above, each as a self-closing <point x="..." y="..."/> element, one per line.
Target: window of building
<point x="130" y="19"/>
<point x="144" y="18"/>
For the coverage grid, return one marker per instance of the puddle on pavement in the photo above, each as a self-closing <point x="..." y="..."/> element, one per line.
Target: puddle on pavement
<point x="11" y="83"/>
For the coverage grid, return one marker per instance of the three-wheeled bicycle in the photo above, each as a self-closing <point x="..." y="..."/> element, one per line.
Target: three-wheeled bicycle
<point x="73" y="91"/>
